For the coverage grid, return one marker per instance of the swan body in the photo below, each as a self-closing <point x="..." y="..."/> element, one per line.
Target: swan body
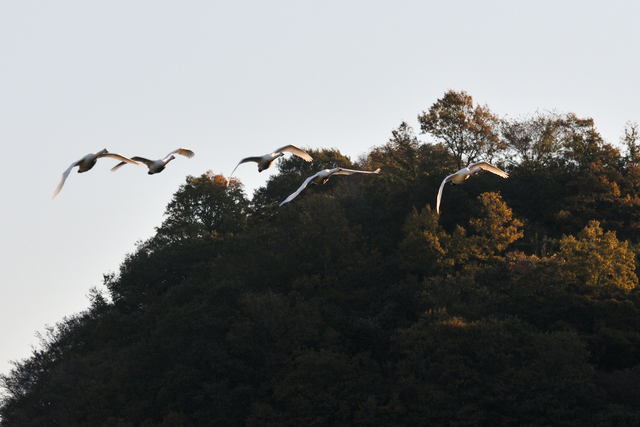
<point x="264" y="162"/>
<point x="157" y="166"/>
<point x="88" y="162"/>
<point x="322" y="177"/>
<point x="465" y="173"/>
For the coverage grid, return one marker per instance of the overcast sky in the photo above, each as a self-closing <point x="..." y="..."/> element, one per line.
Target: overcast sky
<point x="237" y="78"/>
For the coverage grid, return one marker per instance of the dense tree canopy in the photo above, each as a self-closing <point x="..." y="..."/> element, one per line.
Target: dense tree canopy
<point x="357" y="304"/>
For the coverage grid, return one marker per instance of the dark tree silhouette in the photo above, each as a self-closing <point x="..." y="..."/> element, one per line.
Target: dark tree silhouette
<point x="358" y="305"/>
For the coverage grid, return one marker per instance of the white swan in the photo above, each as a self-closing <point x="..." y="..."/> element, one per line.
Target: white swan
<point x="264" y="162"/>
<point x="321" y="178"/>
<point x="86" y="163"/>
<point x="156" y="166"/>
<point x="463" y="174"/>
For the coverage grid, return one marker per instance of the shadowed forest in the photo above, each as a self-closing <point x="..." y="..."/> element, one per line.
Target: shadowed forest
<point x="358" y="305"/>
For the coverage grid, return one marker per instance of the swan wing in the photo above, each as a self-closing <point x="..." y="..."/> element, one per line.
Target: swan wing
<point x="65" y="174"/>
<point x="299" y="190"/>
<point x="182" y="151"/>
<point x="294" y="150"/>
<point x="137" y="159"/>
<point x="488" y="167"/>
<point x="118" y="166"/>
<point x="343" y="171"/>
<point x="117" y="157"/>
<point x="245" y="160"/>
<point x="439" y="197"/>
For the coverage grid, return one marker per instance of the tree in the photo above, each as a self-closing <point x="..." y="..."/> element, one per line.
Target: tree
<point x="532" y="140"/>
<point x="582" y="143"/>
<point x="353" y="306"/>
<point x="467" y="130"/>
<point x="495" y="228"/>
<point x="426" y="246"/>
<point x="207" y="206"/>
<point x="401" y="157"/>
<point x="490" y="372"/>
<point x="410" y="174"/>
<point x="598" y="260"/>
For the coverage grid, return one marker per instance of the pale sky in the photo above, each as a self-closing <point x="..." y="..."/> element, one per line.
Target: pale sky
<point x="231" y="79"/>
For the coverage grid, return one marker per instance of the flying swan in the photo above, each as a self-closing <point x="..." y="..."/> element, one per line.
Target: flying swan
<point x="264" y="162"/>
<point x="321" y="178"/>
<point x="463" y="174"/>
<point x="156" y="166"/>
<point x="86" y="163"/>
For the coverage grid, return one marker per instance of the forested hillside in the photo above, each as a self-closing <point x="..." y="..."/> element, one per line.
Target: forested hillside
<point x="358" y="305"/>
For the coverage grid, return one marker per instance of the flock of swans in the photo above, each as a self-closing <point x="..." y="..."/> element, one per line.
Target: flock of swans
<point x="264" y="162"/>
<point x="90" y="160"/>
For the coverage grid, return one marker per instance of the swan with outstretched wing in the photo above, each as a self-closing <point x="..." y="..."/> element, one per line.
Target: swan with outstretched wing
<point x="463" y="174"/>
<point x="322" y="177"/>
<point x="264" y="162"/>
<point x="86" y="163"/>
<point x="157" y="166"/>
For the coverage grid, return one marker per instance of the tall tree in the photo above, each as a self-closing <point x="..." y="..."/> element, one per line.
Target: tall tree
<point x="532" y="140"/>
<point x="598" y="260"/>
<point x="206" y="206"/>
<point x="467" y="130"/>
<point x="495" y="228"/>
<point x="582" y="143"/>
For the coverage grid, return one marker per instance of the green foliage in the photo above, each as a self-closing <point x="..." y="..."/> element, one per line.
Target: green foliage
<point x="358" y="305"/>
<point x="428" y="249"/>
<point x="205" y="207"/>
<point x="495" y="228"/>
<point x="426" y="246"/>
<point x="596" y="259"/>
